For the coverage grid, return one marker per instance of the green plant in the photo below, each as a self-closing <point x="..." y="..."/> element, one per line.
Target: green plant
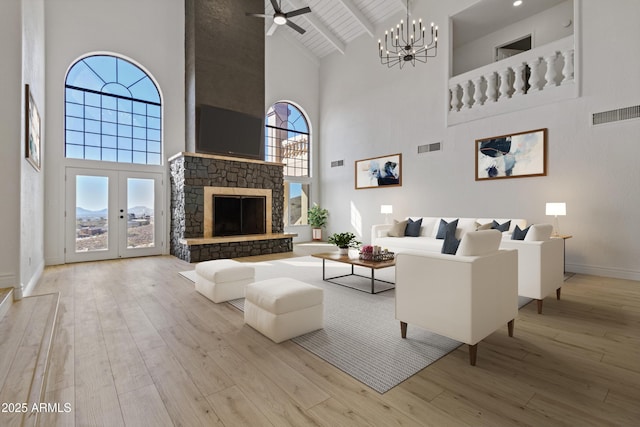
<point x="317" y="216"/>
<point x="344" y="240"/>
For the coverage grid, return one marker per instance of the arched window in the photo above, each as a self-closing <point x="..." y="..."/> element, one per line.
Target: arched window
<point x="112" y="112"/>
<point x="287" y="140"/>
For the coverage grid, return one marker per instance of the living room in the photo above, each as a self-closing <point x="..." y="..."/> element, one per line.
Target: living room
<point x="357" y="109"/>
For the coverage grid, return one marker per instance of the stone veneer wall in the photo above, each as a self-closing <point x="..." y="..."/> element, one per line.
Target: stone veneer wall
<point x="190" y="173"/>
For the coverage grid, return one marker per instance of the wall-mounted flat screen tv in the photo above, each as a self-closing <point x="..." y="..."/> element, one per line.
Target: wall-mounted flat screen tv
<point x="229" y="133"/>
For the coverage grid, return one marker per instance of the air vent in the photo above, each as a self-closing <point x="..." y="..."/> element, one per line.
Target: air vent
<point x="337" y="163"/>
<point x="616" y="115"/>
<point x="427" y="148"/>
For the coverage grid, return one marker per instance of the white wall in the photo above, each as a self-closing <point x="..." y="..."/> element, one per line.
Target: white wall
<point x="32" y="181"/>
<point x="544" y="27"/>
<point x="150" y="32"/>
<point x="11" y="108"/>
<point x="368" y="110"/>
<point x="292" y="74"/>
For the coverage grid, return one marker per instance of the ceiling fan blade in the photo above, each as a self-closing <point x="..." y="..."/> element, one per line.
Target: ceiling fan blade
<point x="272" y="29"/>
<point x="274" y="3"/>
<point x="295" y="27"/>
<point x="298" y="12"/>
<point x="257" y="15"/>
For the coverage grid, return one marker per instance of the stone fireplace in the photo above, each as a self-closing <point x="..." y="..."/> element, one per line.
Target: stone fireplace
<point x="200" y="182"/>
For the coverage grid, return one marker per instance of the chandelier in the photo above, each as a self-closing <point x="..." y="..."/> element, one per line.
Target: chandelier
<point x="403" y="44"/>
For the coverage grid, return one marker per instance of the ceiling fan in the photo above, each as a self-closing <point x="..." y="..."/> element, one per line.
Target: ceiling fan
<point x="281" y="18"/>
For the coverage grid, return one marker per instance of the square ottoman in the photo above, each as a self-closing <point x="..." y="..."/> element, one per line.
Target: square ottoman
<point x="223" y="279"/>
<point x="283" y="308"/>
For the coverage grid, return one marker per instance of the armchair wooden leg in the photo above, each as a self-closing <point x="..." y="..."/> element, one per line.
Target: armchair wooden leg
<point x="558" y="293"/>
<point x="403" y="329"/>
<point x="473" y="352"/>
<point x="510" y="327"/>
<point x="539" y="301"/>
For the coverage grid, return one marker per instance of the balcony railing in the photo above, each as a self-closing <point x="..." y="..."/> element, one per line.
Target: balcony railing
<point x="532" y="78"/>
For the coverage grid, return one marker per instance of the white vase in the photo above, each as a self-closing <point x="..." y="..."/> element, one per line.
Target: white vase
<point x="343" y="251"/>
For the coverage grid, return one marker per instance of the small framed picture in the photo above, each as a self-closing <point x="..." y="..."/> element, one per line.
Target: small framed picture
<point x="515" y="155"/>
<point x="385" y="171"/>
<point x="32" y="131"/>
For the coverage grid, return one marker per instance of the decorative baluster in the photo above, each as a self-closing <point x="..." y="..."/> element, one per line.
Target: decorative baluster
<point x="518" y="83"/>
<point x="477" y="94"/>
<point x="466" y="95"/>
<point x="504" y="84"/>
<point x="454" y="98"/>
<point x="551" y="74"/>
<point x="492" y="93"/>
<point x="534" y="79"/>
<point x="567" y="70"/>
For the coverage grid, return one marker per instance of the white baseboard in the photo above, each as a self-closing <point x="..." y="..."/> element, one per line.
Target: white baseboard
<point x="616" y="273"/>
<point x="7" y="280"/>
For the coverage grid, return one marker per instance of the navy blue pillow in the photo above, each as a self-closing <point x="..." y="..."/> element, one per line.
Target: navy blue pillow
<point x="446" y="226"/>
<point x="413" y="228"/>
<point x="450" y="244"/>
<point x="500" y="227"/>
<point x="519" y="234"/>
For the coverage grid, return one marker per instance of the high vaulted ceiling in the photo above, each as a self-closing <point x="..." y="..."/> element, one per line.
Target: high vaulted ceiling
<point x="333" y="24"/>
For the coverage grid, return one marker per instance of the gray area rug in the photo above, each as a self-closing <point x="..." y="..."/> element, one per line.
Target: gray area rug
<point x="361" y="336"/>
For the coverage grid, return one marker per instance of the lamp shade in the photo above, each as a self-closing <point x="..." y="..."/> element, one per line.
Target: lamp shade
<point x="556" y="209"/>
<point x="386" y="209"/>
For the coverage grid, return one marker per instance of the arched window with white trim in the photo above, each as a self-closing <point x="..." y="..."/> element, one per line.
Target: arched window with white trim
<point x="113" y="112"/>
<point x="288" y="141"/>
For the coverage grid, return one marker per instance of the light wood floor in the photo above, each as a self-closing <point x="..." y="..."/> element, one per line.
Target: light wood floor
<point x="137" y="346"/>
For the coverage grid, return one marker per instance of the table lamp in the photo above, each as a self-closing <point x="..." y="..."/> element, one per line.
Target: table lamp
<point x="556" y="209"/>
<point x="386" y="209"/>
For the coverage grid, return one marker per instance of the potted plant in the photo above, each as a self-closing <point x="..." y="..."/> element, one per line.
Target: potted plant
<point x="344" y="241"/>
<point x="317" y="218"/>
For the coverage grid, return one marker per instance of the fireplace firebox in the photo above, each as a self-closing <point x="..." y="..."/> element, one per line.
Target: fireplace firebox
<point x="238" y="215"/>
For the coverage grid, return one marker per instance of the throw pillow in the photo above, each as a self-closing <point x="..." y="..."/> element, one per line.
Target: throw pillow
<point x="413" y="228"/>
<point x="450" y="244"/>
<point x="479" y="243"/>
<point x="539" y="233"/>
<point x="519" y="234"/>
<point x="446" y="226"/>
<point x="397" y="230"/>
<point x="480" y="227"/>
<point x="501" y="227"/>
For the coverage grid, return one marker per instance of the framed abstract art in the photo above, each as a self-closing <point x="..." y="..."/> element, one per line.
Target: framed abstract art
<point x="32" y="130"/>
<point x="384" y="171"/>
<point x="516" y="155"/>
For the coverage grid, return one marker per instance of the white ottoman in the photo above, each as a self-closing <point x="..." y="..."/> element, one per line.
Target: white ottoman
<point x="223" y="279"/>
<point x="283" y="308"/>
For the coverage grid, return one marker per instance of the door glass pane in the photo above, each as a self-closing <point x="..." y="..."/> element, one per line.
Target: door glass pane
<point x="92" y="213"/>
<point x="140" y="203"/>
<point x="296" y="203"/>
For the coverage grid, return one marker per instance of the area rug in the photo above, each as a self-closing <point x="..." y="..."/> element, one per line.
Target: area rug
<point x="361" y="336"/>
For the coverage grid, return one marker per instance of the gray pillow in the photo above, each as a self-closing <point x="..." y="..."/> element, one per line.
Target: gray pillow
<point x="519" y="234"/>
<point x="413" y="228"/>
<point x="397" y="230"/>
<point x="501" y="227"/>
<point x="446" y="226"/>
<point x="450" y="244"/>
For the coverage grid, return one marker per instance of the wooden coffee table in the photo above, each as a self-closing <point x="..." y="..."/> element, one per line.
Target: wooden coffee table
<point x="345" y="259"/>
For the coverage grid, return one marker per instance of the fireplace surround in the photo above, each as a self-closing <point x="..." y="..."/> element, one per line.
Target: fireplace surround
<point x="196" y="178"/>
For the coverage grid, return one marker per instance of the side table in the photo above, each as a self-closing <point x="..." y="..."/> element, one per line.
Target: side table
<point x="564" y="238"/>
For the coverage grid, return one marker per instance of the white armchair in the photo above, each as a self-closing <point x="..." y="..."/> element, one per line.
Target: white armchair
<point x="540" y="263"/>
<point x="466" y="296"/>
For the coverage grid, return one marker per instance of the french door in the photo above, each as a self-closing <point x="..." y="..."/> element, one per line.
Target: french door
<point x="112" y="214"/>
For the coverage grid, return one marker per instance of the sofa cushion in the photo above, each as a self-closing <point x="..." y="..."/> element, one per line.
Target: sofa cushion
<point x="450" y="244"/>
<point x="478" y="243"/>
<point x="445" y="226"/>
<point x="397" y="230"/>
<point x="480" y="227"/>
<point x="413" y="228"/>
<point x="539" y="233"/>
<point x="519" y="234"/>
<point x="500" y="227"/>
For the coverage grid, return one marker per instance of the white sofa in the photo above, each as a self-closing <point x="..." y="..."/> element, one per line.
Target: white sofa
<point x="466" y="296"/>
<point x="540" y="260"/>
